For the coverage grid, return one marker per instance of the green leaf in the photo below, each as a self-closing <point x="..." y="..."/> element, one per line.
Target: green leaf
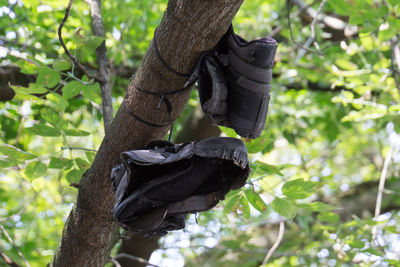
<point x="74" y="176"/>
<point x="6" y="162"/>
<point x="48" y="77"/>
<point x="232" y="193"/>
<point x="71" y="89"/>
<point x="391" y="229"/>
<point x="31" y="89"/>
<point x="373" y="251"/>
<point x="232" y="202"/>
<point x="53" y="118"/>
<point x="316" y="206"/>
<point x="244" y="207"/>
<point x="255" y="200"/>
<point x="62" y="65"/>
<point x="346" y="64"/>
<point x="328" y="217"/>
<point x="43" y="130"/>
<point x="75" y="132"/>
<point x="35" y="169"/>
<point x="16" y="153"/>
<point x="94" y="41"/>
<point x="232" y="244"/>
<point x="228" y="131"/>
<point x="259" y="144"/>
<point x="90" y="156"/>
<point x="356" y="244"/>
<point x="284" y="207"/>
<point x="298" y="189"/>
<point x="92" y="92"/>
<point x="26" y="67"/>
<point x="83" y="165"/>
<point x="267" y="168"/>
<point x="60" y="163"/>
<point x="57" y="102"/>
<point x="393" y="263"/>
<point x="340" y="7"/>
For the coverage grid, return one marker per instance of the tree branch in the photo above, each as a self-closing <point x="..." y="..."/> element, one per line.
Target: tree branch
<point x="8" y="260"/>
<point x="277" y="242"/>
<point x="313" y="35"/>
<point x="102" y="61"/>
<point x="381" y="188"/>
<point x="289" y="21"/>
<point x="332" y="23"/>
<point x="60" y="38"/>
<point x="13" y="244"/>
<point x="395" y="61"/>
<point x="188" y="28"/>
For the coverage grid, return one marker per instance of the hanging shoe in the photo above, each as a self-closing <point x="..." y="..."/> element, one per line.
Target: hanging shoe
<point x="157" y="187"/>
<point x="234" y="83"/>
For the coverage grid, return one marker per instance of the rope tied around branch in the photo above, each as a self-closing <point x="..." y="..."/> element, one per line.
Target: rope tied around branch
<point x="192" y="77"/>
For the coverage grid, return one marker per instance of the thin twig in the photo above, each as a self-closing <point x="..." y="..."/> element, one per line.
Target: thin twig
<point x="18" y="213"/>
<point x="312" y="39"/>
<point x="395" y="60"/>
<point x="303" y="8"/>
<point x="277" y="242"/>
<point x="77" y="148"/>
<point x="8" y="260"/>
<point x="329" y="21"/>
<point x="381" y="188"/>
<point x="382" y="180"/>
<point x="13" y="244"/>
<point x="116" y="263"/>
<point x="134" y="258"/>
<point x="76" y="62"/>
<point x="76" y="185"/>
<point x="289" y="7"/>
<point x="313" y="25"/>
<point x="103" y="62"/>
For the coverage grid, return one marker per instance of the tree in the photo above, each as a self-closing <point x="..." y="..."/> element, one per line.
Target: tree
<point x="330" y="143"/>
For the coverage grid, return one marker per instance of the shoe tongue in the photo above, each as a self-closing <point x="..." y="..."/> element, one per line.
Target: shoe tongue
<point x="260" y="52"/>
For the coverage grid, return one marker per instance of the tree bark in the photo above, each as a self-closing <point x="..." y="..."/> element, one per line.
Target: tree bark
<point x="187" y="29"/>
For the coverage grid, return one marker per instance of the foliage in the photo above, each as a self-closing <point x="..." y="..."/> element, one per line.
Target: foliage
<point x="334" y="117"/>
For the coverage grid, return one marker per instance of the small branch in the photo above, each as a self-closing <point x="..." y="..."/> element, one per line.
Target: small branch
<point x="103" y="62"/>
<point x="381" y="188"/>
<point x="116" y="263"/>
<point x="76" y="62"/>
<point x="18" y="213"/>
<point x="76" y="185"/>
<point x="382" y="180"/>
<point x="8" y="260"/>
<point x="329" y="21"/>
<point x="313" y="36"/>
<point x="289" y="7"/>
<point x="395" y="60"/>
<point x="277" y="242"/>
<point x="134" y="258"/>
<point x="77" y="148"/>
<point x="312" y="39"/>
<point x="13" y="244"/>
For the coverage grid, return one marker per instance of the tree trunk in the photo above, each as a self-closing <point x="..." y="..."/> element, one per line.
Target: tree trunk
<point x="187" y="29"/>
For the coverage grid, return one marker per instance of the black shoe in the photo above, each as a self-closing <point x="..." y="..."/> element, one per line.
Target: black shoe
<point x="157" y="187"/>
<point x="234" y="83"/>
